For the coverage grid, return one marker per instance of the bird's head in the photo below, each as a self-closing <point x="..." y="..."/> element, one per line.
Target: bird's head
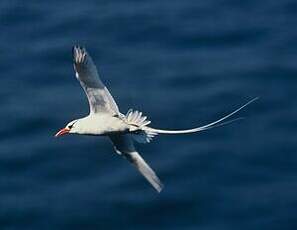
<point x="71" y="127"/>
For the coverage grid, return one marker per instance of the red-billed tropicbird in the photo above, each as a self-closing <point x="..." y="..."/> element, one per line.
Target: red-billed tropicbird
<point x="105" y="118"/>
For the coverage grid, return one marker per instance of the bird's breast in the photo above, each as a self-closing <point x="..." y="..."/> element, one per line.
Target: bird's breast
<point x="104" y="125"/>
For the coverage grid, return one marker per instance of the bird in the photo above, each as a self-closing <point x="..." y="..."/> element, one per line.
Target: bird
<point x="105" y="118"/>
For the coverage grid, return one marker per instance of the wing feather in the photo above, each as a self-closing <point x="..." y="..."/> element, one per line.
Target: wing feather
<point x="123" y="144"/>
<point x="100" y="100"/>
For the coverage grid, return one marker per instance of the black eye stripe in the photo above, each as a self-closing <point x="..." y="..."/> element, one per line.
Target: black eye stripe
<point x="70" y="126"/>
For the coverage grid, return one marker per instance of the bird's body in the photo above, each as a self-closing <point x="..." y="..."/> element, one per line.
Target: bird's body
<point x="105" y="119"/>
<point x="101" y="125"/>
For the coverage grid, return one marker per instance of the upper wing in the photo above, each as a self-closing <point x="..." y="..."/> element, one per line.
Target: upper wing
<point x="124" y="145"/>
<point x="100" y="100"/>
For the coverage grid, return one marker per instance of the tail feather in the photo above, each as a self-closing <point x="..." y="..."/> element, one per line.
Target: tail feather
<point x="142" y="133"/>
<point x="135" y="118"/>
<point x="144" y="136"/>
<point x="138" y="122"/>
<point x="211" y="125"/>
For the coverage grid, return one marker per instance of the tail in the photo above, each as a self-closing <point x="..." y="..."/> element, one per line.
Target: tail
<point x="220" y="122"/>
<point x="137" y="124"/>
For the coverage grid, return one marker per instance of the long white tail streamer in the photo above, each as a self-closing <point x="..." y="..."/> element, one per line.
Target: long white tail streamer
<point x="201" y="128"/>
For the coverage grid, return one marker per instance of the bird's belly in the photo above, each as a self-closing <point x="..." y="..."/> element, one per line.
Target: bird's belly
<point x="108" y="125"/>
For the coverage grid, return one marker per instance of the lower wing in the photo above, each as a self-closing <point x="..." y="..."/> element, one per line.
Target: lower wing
<point x="124" y="146"/>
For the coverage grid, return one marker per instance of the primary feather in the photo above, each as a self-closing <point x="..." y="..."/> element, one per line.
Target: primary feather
<point x="123" y="145"/>
<point x="100" y="100"/>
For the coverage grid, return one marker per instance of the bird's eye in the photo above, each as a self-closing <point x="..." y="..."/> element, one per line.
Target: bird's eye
<point x="70" y="126"/>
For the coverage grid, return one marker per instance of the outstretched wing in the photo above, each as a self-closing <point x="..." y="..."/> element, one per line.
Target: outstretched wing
<point x="100" y="100"/>
<point x="123" y="145"/>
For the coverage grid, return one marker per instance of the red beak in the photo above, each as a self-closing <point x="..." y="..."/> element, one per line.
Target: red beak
<point x="62" y="132"/>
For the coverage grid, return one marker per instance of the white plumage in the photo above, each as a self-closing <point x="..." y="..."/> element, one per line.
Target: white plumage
<point x="106" y="119"/>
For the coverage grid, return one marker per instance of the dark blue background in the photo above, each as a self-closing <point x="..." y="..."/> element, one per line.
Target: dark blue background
<point x="183" y="63"/>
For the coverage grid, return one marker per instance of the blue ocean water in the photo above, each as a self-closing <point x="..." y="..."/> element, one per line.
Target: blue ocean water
<point x="183" y="63"/>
